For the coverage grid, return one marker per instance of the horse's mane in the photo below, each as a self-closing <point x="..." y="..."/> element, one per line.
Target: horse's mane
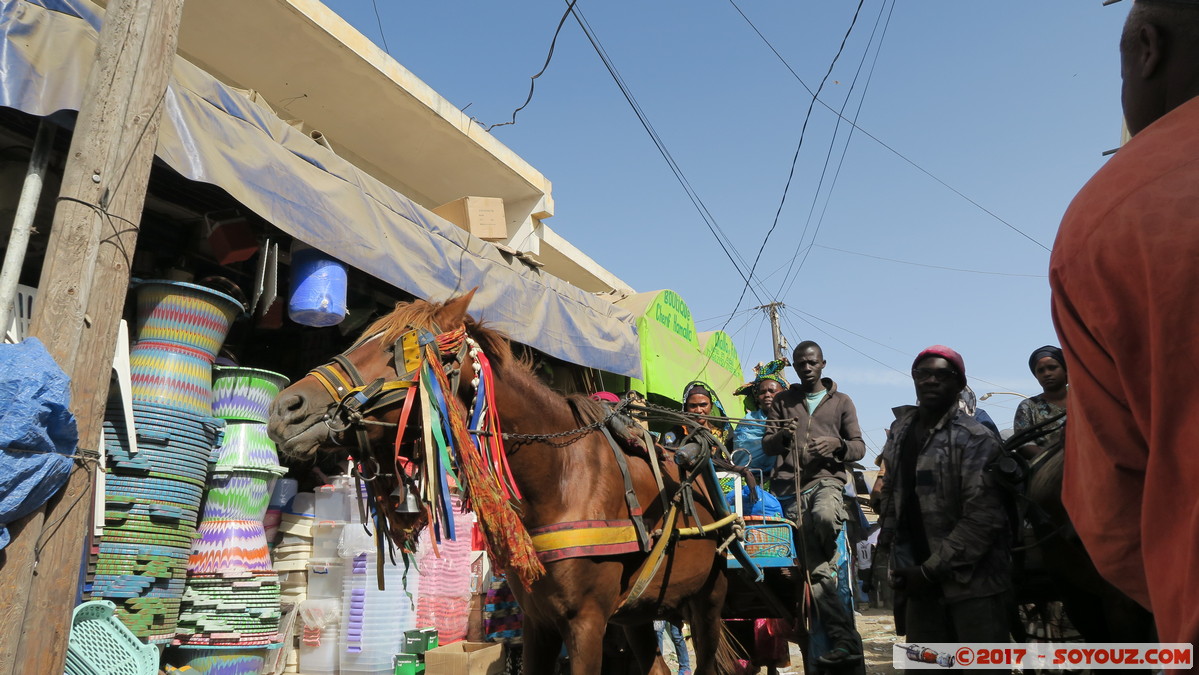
<point x="586" y="409"/>
<point x="421" y="314"/>
<point x="497" y="346"/>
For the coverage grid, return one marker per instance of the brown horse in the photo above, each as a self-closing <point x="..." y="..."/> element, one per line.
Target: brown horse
<point x="566" y="479"/>
<point x="1099" y="611"/>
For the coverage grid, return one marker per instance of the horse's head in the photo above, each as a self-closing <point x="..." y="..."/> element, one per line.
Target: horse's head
<point x="357" y="397"/>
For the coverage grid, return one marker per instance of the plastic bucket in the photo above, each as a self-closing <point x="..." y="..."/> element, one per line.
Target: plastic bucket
<point x="318" y="288"/>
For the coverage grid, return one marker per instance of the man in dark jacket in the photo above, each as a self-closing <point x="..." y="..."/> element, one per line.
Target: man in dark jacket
<point x="943" y="514"/>
<point x="820" y="435"/>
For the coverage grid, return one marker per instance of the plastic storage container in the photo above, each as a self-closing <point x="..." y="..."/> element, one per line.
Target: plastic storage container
<point x="318" y="288"/>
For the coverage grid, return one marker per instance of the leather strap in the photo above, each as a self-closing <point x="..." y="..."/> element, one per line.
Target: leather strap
<point x="657" y="468"/>
<point x="656" y="556"/>
<point x="630" y="494"/>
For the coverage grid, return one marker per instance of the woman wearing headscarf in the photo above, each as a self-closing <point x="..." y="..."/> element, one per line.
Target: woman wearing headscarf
<point x="759" y="394"/>
<point x="699" y="399"/>
<point x="1048" y="365"/>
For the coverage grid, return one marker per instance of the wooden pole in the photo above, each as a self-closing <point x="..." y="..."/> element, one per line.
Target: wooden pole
<point x="82" y="292"/>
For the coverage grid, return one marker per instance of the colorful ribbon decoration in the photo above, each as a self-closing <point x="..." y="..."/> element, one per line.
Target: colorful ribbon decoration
<point x="483" y="473"/>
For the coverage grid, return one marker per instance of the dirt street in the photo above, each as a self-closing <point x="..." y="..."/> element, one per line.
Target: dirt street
<point x="877" y="628"/>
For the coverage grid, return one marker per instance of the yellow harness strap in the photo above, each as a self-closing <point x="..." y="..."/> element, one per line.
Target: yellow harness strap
<point x="343" y="387"/>
<point x="592" y="536"/>
<point x="656" y="556"/>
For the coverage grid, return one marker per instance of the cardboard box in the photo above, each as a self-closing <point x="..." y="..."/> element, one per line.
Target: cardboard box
<point x="408" y="664"/>
<point x="481" y="216"/>
<point x="419" y="640"/>
<point x="466" y="658"/>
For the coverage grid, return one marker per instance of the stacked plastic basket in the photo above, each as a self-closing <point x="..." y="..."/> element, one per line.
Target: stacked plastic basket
<point x="232" y="596"/>
<point x="374" y="621"/>
<point x="153" y="495"/>
<point x="444" y="601"/>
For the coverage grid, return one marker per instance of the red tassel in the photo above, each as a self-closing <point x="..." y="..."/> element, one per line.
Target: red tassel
<point x="508" y="541"/>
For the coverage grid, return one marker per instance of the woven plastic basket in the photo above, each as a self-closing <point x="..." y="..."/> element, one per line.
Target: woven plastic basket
<point x="101" y="645"/>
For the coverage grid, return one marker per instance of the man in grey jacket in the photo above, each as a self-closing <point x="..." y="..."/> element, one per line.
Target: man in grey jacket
<point x="820" y="435"/>
<point x="943" y="514"/>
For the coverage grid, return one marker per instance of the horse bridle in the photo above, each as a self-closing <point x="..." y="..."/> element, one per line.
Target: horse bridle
<point x="356" y="399"/>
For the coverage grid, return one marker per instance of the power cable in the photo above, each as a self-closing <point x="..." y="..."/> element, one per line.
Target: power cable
<point x="833" y="143"/>
<point x="843" y="343"/>
<point x="533" y="79"/>
<point x="935" y="267"/>
<point x="379" y="22"/>
<point x="855" y="349"/>
<point x="843" y="328"/>
<point x="713" y="227"/>
<point x="762" y="322"/>
<point x="722" y="316"/>
<point x="876" y="139"/>
<point x="799" y="146"/>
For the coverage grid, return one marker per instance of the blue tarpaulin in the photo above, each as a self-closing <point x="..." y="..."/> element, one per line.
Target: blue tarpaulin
<point x="214" y="134"/>
<point x="37" y="431"/>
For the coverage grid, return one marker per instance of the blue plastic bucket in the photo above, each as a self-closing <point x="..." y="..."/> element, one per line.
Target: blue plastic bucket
<point x="318" y="288"/>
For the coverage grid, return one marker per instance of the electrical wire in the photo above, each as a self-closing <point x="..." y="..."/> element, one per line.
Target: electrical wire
<point x="379" y="22"/>
<point x="722" y="316"/>
<point x="855" y="334"/>
<point x="833" y="143"/>
<point x="533" y="79"/>
<point x="799" y="146"/>
<point x="844" y="344"/>
<point x="722" y="239"/>
<point x="876" y="139"/>
<point x="935" y="267"/>
<point x="757" y="334"/>
<point x="855" y="349"/>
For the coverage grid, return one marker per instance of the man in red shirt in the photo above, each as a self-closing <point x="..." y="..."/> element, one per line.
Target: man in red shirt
<point x="1125" y="280"/>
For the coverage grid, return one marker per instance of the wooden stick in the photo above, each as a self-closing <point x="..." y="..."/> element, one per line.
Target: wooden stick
<point x="82" y="292"/>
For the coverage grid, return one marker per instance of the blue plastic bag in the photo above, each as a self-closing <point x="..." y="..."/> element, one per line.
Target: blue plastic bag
<point x="37" y="430"/>
<point x="765" y="504"/>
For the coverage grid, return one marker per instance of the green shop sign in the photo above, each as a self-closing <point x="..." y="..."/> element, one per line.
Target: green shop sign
<point x="723" y="353"/>
<point x="669" y="310"/>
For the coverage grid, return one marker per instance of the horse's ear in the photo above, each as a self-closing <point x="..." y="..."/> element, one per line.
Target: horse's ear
<point x="453" y="313"/>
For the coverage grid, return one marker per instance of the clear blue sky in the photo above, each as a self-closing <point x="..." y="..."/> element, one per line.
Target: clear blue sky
<point x="1010" y="103"/>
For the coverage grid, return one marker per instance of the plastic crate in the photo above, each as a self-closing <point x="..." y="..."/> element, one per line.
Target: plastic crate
<point x="101" y="645"/>
<point x="769" y="542"/>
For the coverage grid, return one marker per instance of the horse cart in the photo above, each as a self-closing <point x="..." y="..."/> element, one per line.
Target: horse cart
<point x="592" y="523"/>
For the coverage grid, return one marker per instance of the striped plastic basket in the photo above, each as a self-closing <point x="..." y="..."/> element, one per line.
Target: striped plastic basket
<point x="769" y="542"/>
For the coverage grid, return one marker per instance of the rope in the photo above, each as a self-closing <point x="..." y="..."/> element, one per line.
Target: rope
<point x="83" y="455"/>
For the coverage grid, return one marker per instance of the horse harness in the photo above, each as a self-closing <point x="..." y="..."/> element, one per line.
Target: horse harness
<point x="356" y="400"/>
<point x="590" y="538"/>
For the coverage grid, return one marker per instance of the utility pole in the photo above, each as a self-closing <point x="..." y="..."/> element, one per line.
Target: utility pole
<point x="776" y="333"/>
<point x="80" y="297"/>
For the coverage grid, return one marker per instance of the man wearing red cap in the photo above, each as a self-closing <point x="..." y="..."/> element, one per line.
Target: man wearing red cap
<point x="943" y="515"/>
<point x="1124" y="278"/>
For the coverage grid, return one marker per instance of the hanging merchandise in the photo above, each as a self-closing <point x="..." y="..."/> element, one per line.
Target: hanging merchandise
<point x="180" y="329"/>
<point x="318" y="287"/>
